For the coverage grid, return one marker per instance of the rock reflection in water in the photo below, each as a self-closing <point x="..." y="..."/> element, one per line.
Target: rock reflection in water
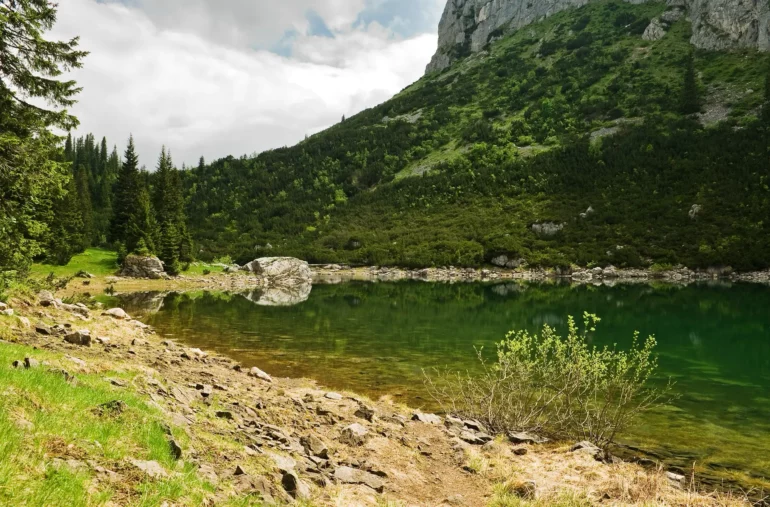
<point x="280" y="295"/>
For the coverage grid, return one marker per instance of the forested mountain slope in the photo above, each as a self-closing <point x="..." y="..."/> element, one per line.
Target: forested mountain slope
<point x="571" y="141"/>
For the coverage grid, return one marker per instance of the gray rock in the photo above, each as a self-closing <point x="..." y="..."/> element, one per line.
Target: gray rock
<point x="333" y="396"/>
<point x="526" y="438"/>
<point x="588" y="448"/>
<point x="354" y="435"/>
<point x="314" y="446"/>
<point x="294" y="486"/>
<point x="30" y="363"/>
<point x="656" y="30"/>
<point x="426" y="418"/>
<point x="547" y="229"/>
<point x="257" y="373"/>
<point x="348" y="475"/>
<point x="281" y="270"/>
<point x="695" y="211"/>
<point x="7" y="312"/>
<point x="46" y="299"/>
<point x="3" y="306"/>
<point x="117" y="313"/>
<point x="716" y="24"/>
<point x="82" y="338"/>
<point x="135" y="266"/>
<point x="152" y="469"/>
<point x="366" y="413"/>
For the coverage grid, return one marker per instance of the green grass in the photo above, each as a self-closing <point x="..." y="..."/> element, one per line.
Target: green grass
<point x="97" y="261"/>
<point x="65" y="426"/>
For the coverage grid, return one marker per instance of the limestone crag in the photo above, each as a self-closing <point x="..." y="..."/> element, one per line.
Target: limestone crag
<point x="467" y="26"/>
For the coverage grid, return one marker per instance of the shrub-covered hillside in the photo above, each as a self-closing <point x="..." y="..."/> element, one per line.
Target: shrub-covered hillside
<point x="505" y="152"/>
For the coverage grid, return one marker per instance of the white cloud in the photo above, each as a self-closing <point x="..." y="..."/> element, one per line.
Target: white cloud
<point x="198" y="88"/>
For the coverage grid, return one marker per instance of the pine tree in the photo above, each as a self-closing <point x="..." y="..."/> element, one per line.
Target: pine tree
<point x="85" y="208"/>
<point x="690" y="97"/>
<point x="173" y="238"/>
<point x="66" y="228"/>
<point x="125" y="199"/>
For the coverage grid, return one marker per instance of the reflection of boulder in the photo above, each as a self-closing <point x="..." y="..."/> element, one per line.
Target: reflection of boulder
<point x="281" y="270"/>
<point x="144" y="302"/>
<point x="281" y="295"/>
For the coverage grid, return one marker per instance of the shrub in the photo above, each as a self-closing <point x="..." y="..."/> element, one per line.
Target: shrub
<point x="558" y="387"/>
<point x="206" y="271"/>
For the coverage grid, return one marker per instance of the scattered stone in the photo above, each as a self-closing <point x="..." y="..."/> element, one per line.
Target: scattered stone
<point x="83" y="274"/>
<point x="3" y="306"/>
<point x="257" y="373"/>
<point x="283" y="463"/>
<point x="348" y="475"/>
<point x="475" y="438"/>
<point x="526" y="438"/>
<point x="41" y="328"/>
<point x="30" y="363"/>
<point x="239" y="471"/>
<point x="675" y="478"/>
<point x="82" y="338"/>
<point x="226" y="414"/>
<point x="46" y="299"/>
<point x="117" y="313"/>
<point x="7" y="313"/>
<point x="426" y="418"/>
<point x="17" y="364"/>
<point x="75" y="360"/>
<point x="294" y="486"/>
<point x="365" y="413"/>
<point x="588" y="448"/>
<point x="333" y="396"/>
<point x="102" y="340"/>
<point x="139" y="343"/>
<point x="314" y="446"/>
<point x="208" y="474"/>
<point x="117" y="382"/>
<point x="152" y="469"/>
<point x="354" y="435"/>
<point x="25" y="322"/>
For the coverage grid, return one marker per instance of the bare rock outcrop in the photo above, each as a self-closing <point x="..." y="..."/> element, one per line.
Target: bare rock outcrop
<point x="467" y="26"/>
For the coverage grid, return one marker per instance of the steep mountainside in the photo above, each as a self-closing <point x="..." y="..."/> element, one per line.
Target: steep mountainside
<point x="569" y="142"/>
<point x="468" y="26"/>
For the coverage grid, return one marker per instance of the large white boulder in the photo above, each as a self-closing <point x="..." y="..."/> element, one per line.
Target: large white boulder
<point x="136" y="266"/>
<point x="282" y="270"/>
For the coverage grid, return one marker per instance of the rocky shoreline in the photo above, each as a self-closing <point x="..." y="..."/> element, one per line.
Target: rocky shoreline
<point x="287" y="440"/>
<point x="335" y="273"/>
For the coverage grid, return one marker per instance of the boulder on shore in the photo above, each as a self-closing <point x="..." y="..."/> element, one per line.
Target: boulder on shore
<point x="281" y="271"/>
<point x="136" y="266"/>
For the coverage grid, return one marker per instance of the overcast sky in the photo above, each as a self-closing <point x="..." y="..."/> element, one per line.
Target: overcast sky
<point x="234" y="77"/>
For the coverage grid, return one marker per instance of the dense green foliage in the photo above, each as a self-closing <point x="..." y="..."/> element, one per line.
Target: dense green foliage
<point x="457" y="168"/>
<point x="31" y="177"/>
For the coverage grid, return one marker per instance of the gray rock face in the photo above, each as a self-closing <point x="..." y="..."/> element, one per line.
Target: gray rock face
<point x="281" y="270"/>
<point x="655" y="31"/>
<point x="467" y="26"/>
<point x="143" y="267"/>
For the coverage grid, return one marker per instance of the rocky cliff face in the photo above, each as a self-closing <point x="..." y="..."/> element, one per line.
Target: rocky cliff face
<point x="468" y="25"/>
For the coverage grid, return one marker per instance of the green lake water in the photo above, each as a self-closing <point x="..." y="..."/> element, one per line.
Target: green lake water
<point x="714" y="342"/>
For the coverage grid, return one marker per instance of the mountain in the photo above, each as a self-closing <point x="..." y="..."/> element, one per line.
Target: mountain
<point x="469" y="26"/>
<point x="585" y="138"/>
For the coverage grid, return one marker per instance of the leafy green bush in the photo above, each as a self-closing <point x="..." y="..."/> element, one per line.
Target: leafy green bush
<point x="558" y="387"/>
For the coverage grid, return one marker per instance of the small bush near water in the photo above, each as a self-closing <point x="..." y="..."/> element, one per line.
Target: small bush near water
<point x="559" y="387"/>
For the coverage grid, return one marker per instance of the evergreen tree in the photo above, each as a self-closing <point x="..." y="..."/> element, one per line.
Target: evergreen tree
<point x="126" y="199"/>
<point x="32" y="174"/>
<point x="690" y="97"/>
<point x="85" y="208"/>
<point x="66" y="227"/>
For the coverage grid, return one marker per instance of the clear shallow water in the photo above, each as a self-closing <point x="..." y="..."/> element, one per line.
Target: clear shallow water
<point x="714" y="341"/>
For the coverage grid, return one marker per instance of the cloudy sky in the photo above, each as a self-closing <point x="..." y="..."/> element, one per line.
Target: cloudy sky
<point x="234" y="77"/>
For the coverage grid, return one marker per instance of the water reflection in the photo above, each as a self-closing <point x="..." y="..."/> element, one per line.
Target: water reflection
<point x="714" y="341"/>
